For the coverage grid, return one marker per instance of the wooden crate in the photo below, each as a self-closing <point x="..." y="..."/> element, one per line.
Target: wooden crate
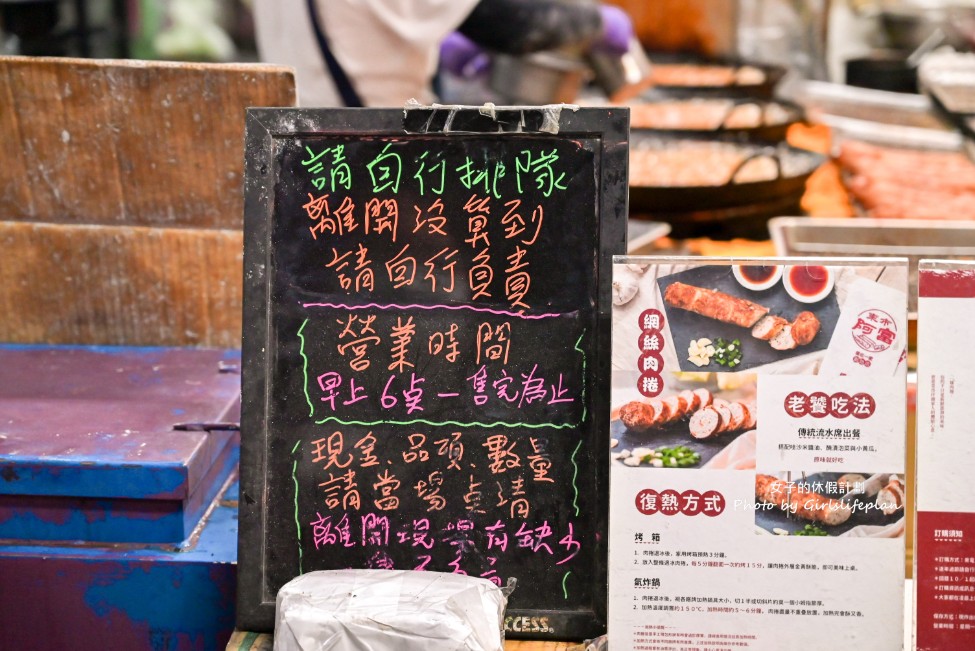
<point x="120" y="285"/>
<point x="129" y="142"/>
<point x="121" y="198"/>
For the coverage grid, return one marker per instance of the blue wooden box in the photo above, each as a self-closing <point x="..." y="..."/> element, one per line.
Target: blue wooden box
<point x="113" y="445"/>
<point x="125" y="597"/>
<point x="118" y="497"/>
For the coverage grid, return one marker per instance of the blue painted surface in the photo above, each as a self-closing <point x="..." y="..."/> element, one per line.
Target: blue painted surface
<point x="113" y="520"/>
<point x="90" y="450"/>
<point x="97" y="598"/>
<point x="93" y="476"/>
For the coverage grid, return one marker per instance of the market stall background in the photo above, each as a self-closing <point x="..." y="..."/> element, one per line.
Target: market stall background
<point x="133" y="240"/>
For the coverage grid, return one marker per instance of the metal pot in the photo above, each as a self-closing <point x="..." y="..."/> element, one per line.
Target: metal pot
<point x="907" y="28"/>
<point x="540" y="78"/>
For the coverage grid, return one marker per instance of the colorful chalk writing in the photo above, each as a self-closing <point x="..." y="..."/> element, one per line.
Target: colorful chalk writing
<point x="438" y="300"/>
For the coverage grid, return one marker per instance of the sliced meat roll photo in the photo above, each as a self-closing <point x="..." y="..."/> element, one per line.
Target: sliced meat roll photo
<point x="738" y="416"/>
<point x="640" y="415"/>
<point x="768" y="326"/>
<point x="722" y="417"/>
<point x="637" y="416"/>
<point x="705" y="423"/>
<point x="714" y="304"/>
<point x="724" y="410"/>
<point x="805" y="327"/>
<point x="802" y="503"/>
<point x="706" y="397"/>
<point x="890" y="499"/>
<point x="691" y="399"/>
<point x="783" y="340"/>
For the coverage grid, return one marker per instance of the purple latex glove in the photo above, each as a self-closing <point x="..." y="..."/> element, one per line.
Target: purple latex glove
<point x="617" y="31"/>
<point x="462" y="57"/>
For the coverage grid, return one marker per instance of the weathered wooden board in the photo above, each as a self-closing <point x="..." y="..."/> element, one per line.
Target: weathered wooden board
<point x="129" y="142"/>
<point x="120" y="285"/>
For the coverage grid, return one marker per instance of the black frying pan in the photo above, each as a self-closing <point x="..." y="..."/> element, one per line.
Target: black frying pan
<point x="765" y="90"/>
<point x="762" y="132"/>
<point x="795" y="166"/>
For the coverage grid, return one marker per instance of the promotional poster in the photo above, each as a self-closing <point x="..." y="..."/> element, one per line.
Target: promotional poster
<point x="757" y="453"/>
<point x="944" y="548"/>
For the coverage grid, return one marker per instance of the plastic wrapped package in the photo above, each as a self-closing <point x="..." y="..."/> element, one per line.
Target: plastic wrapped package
<point x="376" y="610"/>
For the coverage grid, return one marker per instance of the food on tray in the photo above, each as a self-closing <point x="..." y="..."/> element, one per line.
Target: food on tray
<point x="801" y="502"/>
<point x="708" y="416"/>
<point x="851" y="481"/>
<point x="800" y="332"/>
<point x="700" y="351"/>
<point x="768" y="327"/>
<point x="689" y="163"/>
<point x="891" y="498"/>
<point x="705" y="115"/>
<point x="696" y="74"/>
<point x="805" y="327"/>
<point x="783" y="339"/>
<point x="891" y="182"/>
<point x="640" y="415"/>
<point x="679" y="456"/>
<point x="713" y="304"/>
<point x="722" y="417"/>
<point x="811" y="530"/>
<point x="727" y="353"/>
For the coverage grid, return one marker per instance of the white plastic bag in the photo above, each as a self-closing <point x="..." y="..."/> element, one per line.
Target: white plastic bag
<point x="376" y="610"/>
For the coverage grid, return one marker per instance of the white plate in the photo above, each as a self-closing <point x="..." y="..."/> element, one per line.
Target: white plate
<point x="751" y="284"/>
<point x="807" y="298"/>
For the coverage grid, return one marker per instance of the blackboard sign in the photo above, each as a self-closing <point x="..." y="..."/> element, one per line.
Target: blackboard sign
<point x="426" y="351"/>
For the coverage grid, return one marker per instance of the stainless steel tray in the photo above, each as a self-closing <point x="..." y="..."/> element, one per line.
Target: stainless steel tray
<point x="821" y="98"/>
<point x="862" y="237"/>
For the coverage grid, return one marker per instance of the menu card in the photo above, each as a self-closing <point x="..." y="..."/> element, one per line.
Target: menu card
<point x="757" y="454"/>
<point x="944" y="549"/>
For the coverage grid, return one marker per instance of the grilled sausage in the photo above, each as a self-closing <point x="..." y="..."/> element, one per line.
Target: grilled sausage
<point x="641" y="416"/>
<point x="768" y="326"/>
<point x="784" y="339"/>
<point x="705" y="423"/>
<point x="802" y="503"/>
<point x="890" y="499"/>
<point x="637" y="416"/>
<point x="714" y="304"/>
<point x="805" y="327"/>
<point x="722" y="417"/>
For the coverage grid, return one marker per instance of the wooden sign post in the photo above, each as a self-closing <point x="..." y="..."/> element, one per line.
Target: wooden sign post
<point x="426" y="341"/>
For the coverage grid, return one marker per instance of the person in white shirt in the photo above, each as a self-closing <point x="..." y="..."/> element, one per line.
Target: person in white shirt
<point x="385" y="52"/>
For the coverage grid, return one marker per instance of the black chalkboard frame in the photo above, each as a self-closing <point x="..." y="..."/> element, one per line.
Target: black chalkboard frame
<point x="265" y="126"/>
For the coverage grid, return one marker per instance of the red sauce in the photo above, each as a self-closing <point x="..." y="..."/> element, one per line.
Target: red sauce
<point x="757" y="273"/>
<point x="808" y="281"/>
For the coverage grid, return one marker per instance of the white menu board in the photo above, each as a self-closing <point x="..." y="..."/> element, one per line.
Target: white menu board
<point x="944" y="549"/>
<point x="757" y="454"/>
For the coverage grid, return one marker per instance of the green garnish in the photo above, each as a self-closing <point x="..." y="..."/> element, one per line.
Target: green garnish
<point x="810" y="530"/>
<point x="679" y="456"/>
<point x="727" y="353"/>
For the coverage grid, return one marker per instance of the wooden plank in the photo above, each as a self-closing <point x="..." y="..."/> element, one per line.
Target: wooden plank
<point x="118" y="285"/>
<point x="129" y="142"/>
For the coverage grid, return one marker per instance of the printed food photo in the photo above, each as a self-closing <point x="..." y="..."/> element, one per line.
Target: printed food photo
<point x="830" y="504"/>
<point x="701" y="425"/>
<point x="759" y="313"/>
